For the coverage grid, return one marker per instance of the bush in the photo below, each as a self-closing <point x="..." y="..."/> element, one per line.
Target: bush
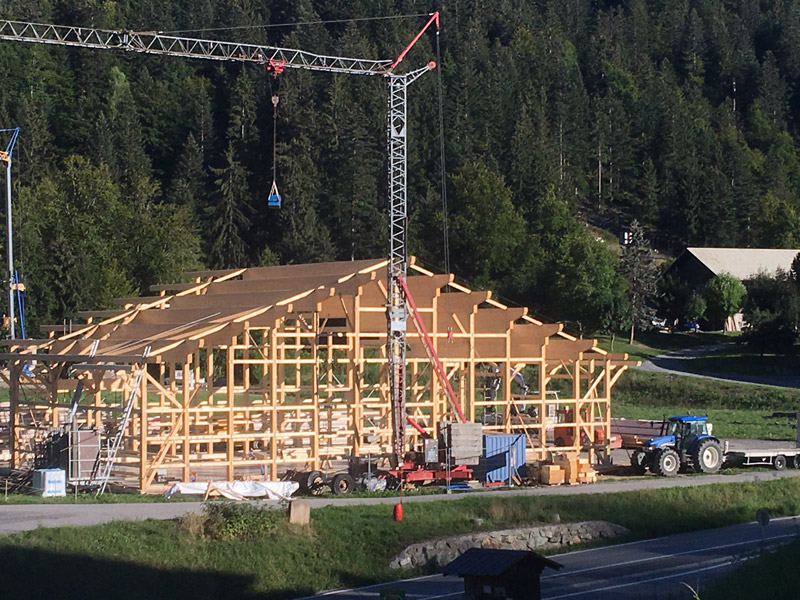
<point x="768" y="332"/>
<point x="232" y="520"/>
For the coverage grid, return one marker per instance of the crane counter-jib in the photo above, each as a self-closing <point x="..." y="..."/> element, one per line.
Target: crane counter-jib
<point x="167" y="45"/>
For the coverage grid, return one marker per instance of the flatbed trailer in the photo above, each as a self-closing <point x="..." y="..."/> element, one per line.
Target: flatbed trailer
<point x="778" y="458"/>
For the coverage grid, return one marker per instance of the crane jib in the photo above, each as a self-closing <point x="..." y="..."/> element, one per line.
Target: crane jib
<point x="156" y="43"/>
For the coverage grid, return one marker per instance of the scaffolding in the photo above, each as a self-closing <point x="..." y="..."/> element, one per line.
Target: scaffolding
<point x="254" y="372"/>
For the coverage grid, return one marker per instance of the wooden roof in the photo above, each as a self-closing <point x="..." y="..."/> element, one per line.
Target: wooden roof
<point x="217" y="305"/>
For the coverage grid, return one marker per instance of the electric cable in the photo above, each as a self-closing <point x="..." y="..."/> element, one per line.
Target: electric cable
<point x="320" y="22"/>
<point x="443" y="172"/>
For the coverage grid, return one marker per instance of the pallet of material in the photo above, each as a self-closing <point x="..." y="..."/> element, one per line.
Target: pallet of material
<point x="552" y="475"/>
<point x="586" y="474"/>
<point x="569" y="463"/>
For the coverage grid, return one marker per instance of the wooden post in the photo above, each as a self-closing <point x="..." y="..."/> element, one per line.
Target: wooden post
<point x="13" y="405"/>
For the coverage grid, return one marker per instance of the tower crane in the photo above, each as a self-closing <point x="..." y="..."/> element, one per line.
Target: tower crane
<point x="277" y="59"/>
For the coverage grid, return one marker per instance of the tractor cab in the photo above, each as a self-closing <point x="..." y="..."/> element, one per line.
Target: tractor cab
<point x="686" y="429"/>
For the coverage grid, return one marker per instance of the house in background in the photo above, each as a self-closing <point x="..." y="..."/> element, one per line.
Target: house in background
<point x="696" y="266"/>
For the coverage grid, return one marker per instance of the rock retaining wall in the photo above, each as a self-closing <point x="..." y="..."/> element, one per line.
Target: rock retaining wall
<point x="439" y="552"/>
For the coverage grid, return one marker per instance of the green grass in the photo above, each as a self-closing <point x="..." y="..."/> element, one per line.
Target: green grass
<point x="737" y="410"/>
<point x="648" y="344"/>
<point x="773" y="575"/>
<point x="639" y="388"/>
<point x="344" y="546"/>
<point x="88" y="498"/>
<point x="740" y="423"/>
<point x="740" y="359"/>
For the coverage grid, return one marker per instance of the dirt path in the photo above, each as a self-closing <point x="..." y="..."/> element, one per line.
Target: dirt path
<point x="676" y="362"/>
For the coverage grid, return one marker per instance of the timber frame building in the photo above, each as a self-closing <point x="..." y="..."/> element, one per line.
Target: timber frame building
<point x="252" y="372"/>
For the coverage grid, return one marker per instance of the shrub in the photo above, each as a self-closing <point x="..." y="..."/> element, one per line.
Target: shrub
<point x="232" y="520"/>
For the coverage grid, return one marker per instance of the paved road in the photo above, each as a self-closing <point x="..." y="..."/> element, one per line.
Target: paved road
<point x="656" y="568"/>
<point x="23" y="517"/>
<point x="676" y="363"/>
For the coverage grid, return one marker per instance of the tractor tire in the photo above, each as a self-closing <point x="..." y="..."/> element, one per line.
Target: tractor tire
<point x="313" y="483"/>
<point x="707" y="457"/>
<point x="666" y="462"/>
<point x="639" y="462"/>
<point x="796" y="461"/>
<point x="342" y="484"/>
<point x="779" y="462"/>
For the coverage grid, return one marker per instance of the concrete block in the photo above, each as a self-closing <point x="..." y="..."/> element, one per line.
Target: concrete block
<point x="299" y="512"/>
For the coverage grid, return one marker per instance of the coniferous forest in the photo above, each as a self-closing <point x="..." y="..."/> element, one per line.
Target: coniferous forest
<point x="562" y="120"/>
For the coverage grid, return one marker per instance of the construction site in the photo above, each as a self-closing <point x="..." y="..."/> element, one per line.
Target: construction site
<point x="308" y="371"/>
<point x="253" y="372"/>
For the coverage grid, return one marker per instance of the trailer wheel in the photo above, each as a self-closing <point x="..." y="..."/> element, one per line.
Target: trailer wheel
<point x="342" y="484"/>
<point x="639" y="462"/>
<point x="666" y="462"/>
<point x="707" y="456"/>
<point x="779" y="462"/>
<point x="313" y="483"/>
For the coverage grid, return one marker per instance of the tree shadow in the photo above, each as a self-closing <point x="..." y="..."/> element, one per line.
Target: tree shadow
<point x="29" y="573"/>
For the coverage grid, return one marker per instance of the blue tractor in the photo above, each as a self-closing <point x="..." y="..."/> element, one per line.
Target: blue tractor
<point x="686" y="443"/>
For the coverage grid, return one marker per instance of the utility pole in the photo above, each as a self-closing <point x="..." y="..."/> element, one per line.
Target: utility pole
<point x="6" y="156"/>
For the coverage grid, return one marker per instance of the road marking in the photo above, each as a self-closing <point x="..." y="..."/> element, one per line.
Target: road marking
<point x="368" y="587"/>
<point x="662" y="556"/>
<point x="640" y="582"/>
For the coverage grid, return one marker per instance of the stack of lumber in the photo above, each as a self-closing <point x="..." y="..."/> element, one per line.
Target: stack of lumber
<point x="567" y="468"/>
<point x="552" y="475"/>
<point x="586" y="474"/>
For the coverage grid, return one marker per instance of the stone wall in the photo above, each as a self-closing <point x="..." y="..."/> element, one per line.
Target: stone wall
<point x="439" y="552"/>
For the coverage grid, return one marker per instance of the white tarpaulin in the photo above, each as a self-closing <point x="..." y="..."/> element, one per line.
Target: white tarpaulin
<point x="237" y="490"/>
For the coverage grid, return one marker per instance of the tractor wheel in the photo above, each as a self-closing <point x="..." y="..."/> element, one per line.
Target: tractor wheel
<point x="666" y="462"/>
<point x="342" y="484"/>
<point x="796" y="461"/>
<point x="779" y="462"/>
<point x="707" y="456"/>
<point x="639" y="462"/>
<point x="313" y="483"/>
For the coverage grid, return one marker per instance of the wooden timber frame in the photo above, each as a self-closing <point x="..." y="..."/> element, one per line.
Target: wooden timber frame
<point x="256" y="371"/>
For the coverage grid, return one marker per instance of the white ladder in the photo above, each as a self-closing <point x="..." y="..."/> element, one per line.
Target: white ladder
<point x="113" y="449"/>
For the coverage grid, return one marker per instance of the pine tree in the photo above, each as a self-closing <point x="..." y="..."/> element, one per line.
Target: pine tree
<point x="229" y="214"/>
<point x="638" y="266"/>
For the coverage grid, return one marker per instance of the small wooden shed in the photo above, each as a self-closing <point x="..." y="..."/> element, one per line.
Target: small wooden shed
<point x="494" y="574"/>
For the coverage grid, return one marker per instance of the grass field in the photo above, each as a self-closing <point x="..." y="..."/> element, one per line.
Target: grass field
<point x="344" y="546"/>
<point x="737" y="410"/>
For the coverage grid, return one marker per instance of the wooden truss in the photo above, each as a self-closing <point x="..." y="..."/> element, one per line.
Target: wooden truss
<point x="256" y="371"/>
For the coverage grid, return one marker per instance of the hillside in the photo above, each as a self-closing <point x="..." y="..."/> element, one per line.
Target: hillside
<point x="557" y="114"/>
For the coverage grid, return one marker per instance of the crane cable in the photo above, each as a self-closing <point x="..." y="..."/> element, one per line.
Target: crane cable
<point x="297" y="23"/>
<point x="274" y="196"/>
<point x="443" y="173"/>
<point x="443" y="176"/>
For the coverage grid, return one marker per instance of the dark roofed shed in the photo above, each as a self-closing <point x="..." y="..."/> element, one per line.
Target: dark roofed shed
<point x="490" y="573"/>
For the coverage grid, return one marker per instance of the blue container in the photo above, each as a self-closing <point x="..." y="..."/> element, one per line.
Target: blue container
<point x="503" y="456"/>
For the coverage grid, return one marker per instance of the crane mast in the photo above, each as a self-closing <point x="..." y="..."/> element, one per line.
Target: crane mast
<point x="277" y="59"/>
